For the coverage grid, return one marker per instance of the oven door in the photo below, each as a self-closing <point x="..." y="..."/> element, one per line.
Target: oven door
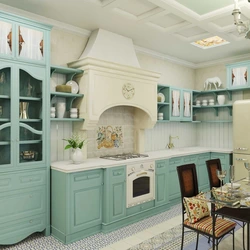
<point x="140" y="187"/>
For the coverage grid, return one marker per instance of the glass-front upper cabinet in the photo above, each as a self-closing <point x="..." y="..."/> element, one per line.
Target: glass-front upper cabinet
<point x="6" y="145"/>
<point x="30" y="43"/>
<point x="22" y="115"/>
<point x="186" y="104"/>
<point x="6" y="41"/>
<point x="237" y="75"/>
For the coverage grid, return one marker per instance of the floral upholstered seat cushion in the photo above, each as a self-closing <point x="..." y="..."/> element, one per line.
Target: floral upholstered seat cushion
<point x="196" y="208"/>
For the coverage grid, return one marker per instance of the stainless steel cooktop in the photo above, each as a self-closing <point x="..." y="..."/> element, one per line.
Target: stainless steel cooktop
<point x="120" y="157"/>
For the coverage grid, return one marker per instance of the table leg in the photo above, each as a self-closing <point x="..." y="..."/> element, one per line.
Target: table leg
<point x="248" y="246"/>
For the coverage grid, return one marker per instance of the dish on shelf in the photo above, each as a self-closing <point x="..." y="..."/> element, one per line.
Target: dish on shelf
<point x="74" y="86"/>
<point x="29" y="155"/>
<point x="160" y="97"/>
<point x="52" y="85"/>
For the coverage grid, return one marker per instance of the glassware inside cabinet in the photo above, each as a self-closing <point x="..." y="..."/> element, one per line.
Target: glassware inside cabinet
<point x="5" y="143"/>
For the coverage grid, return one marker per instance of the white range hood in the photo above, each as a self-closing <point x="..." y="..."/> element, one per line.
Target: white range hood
<point x="110" y="65"/>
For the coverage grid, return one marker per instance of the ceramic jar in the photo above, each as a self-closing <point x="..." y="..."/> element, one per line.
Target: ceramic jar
<point x="221" y="99"/>
<point x="77" y="155"/>
<point x="60" y="109"/>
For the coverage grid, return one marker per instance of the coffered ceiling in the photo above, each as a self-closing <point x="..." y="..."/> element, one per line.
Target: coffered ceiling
<point x="165" y="28"/>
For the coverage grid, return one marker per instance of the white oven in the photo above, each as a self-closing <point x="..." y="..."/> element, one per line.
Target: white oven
<point x="140" y="183"/>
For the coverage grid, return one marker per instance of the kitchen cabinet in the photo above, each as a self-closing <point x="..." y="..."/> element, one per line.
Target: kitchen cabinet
<point x="173" y="186"/>
<point x="161" y="182"/>
<point x="238" y="75"/>
<point x="177" y="104"/>
<point x="202" y="174"/>
<point x="76" y="204"/>
<point x="24" y="128"/>
<point x="114" y="194"/>
<point x="63" y="75"/>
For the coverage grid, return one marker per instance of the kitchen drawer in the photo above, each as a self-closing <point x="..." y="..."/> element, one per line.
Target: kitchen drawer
<point x="174" y="162"/>
<point x="140" y="208"/>
<point x="223" y="157"/>
<point x="117" y="174"/>
<point x="13" y="230"/>
<point x="15" y="205"/>
<point x="202" y="158"/>
<point x="86" y="179"/>
<point x="190" y="159"/>
<point x="9" y="182"/>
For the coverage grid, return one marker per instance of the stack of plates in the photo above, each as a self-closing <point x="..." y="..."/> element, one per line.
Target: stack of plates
<point x="160" y="116"/>
<point x="204" y="102"/>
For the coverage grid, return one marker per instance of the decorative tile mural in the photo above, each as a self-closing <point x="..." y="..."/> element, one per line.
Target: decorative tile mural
<point x="109" y="137"/>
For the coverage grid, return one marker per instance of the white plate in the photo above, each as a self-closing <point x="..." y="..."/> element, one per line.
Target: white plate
<point x="235" y="185"/>
<point x="161" y="96"/>
<point x="74" y="86"/>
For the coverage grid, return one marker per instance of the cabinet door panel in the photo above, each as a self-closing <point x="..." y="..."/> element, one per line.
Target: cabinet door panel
<point x="86" y="208"/>
<point x="6" y="39"/>
<point x="20" y="204"/>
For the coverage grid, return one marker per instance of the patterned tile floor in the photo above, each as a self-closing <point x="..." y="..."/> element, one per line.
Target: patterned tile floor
<point x="120" y="239"/>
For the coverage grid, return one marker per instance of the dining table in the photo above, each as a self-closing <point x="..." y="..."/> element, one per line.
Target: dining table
<point x="232" y="201"/>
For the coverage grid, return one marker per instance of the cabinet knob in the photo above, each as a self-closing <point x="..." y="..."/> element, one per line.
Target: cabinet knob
<point x="30" y="221"/>
<point x="31" y="195"/>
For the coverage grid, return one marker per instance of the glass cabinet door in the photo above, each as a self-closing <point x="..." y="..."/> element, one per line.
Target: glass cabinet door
<point x="30" y="118"/>
<point x="186" y="100"/>
<point x="5" y="116"/>
<point x="175" y="103"/>
<point x="30" y="43"/>
<point x="6" y="40"/>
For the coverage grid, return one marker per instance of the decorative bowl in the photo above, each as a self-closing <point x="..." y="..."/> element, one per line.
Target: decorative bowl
<point x="29" y="155"/>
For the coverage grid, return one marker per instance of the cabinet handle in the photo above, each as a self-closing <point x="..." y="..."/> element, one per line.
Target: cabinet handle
<point x="143" y="173"/>
<point x="242" y="149"/>
<point x="30" y="221"/>
<point x="241" y="159"/>
<point x="31" y="195"/>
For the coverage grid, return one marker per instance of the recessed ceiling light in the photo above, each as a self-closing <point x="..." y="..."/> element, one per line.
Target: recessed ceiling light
<point x="210" y="42"/>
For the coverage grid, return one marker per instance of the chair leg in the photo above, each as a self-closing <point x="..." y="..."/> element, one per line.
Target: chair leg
<point x="233" y="240"/>
<point x="197" y="241"/>
<point x="243" y="230"/>
<point x="182" y="238"/>
<point x="217" y="244"/>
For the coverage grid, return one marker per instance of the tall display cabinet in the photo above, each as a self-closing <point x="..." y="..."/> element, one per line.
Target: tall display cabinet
<point x="24" y="128"/>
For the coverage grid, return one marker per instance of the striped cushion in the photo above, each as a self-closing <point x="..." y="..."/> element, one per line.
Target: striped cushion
<point x="206" y="225"/>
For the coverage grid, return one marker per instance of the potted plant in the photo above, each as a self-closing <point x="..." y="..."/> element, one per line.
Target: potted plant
<point x="76" y="143"/>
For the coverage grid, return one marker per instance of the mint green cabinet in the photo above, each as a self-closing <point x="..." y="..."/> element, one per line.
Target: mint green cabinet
<point x="114" y="194"/>
<point x="175" y="104"/>
<point x="238" y="75"/>
<point x="65" y="74"/>
<point x="76" y="204"/>
<point x="173" y="186"/>
<point x="202" y="174"/>
<point x="24" y="128"/>
<point x="161" y="182"/>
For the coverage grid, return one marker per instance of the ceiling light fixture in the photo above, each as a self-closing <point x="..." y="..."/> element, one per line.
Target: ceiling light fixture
<point x="242" y="27"/>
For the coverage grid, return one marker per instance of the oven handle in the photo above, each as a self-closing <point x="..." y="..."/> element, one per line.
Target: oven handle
<point x="142" y="173"/>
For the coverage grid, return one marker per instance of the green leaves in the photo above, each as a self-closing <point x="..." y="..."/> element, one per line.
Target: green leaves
<point x="74" y="142"/>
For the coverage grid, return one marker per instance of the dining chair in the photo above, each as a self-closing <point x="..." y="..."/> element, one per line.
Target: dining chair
<point x="195" y="213"/>
<point x="212" y="166"/>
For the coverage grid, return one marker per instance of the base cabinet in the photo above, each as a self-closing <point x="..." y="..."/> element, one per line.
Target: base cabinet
<point x="76" y="204"/>
<point x="114" y="194"/>
<point x="161" y="183"/>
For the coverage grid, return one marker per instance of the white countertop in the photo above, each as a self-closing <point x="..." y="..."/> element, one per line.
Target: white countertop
<point x="95" y="163"/>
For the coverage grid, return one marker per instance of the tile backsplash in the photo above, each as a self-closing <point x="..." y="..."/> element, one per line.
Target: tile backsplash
<point x="114" y="133"/>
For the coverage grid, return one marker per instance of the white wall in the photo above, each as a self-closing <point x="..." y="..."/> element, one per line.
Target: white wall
<point x="68" y="47"/>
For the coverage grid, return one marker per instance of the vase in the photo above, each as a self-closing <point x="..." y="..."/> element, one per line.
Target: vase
<point x="77" y="156"/>
<point x="24" y="110"/>
<point x="221" y="99"/>
<point x="60" y="109"/>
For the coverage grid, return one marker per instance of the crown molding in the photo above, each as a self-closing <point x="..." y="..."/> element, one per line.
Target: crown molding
<point x="45" y="20"/>
<point x="138" y="49"/>
<point x="164" y="56"/>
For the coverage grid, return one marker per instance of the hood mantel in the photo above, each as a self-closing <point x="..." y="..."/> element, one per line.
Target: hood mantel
<point x="102" y="84"/>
